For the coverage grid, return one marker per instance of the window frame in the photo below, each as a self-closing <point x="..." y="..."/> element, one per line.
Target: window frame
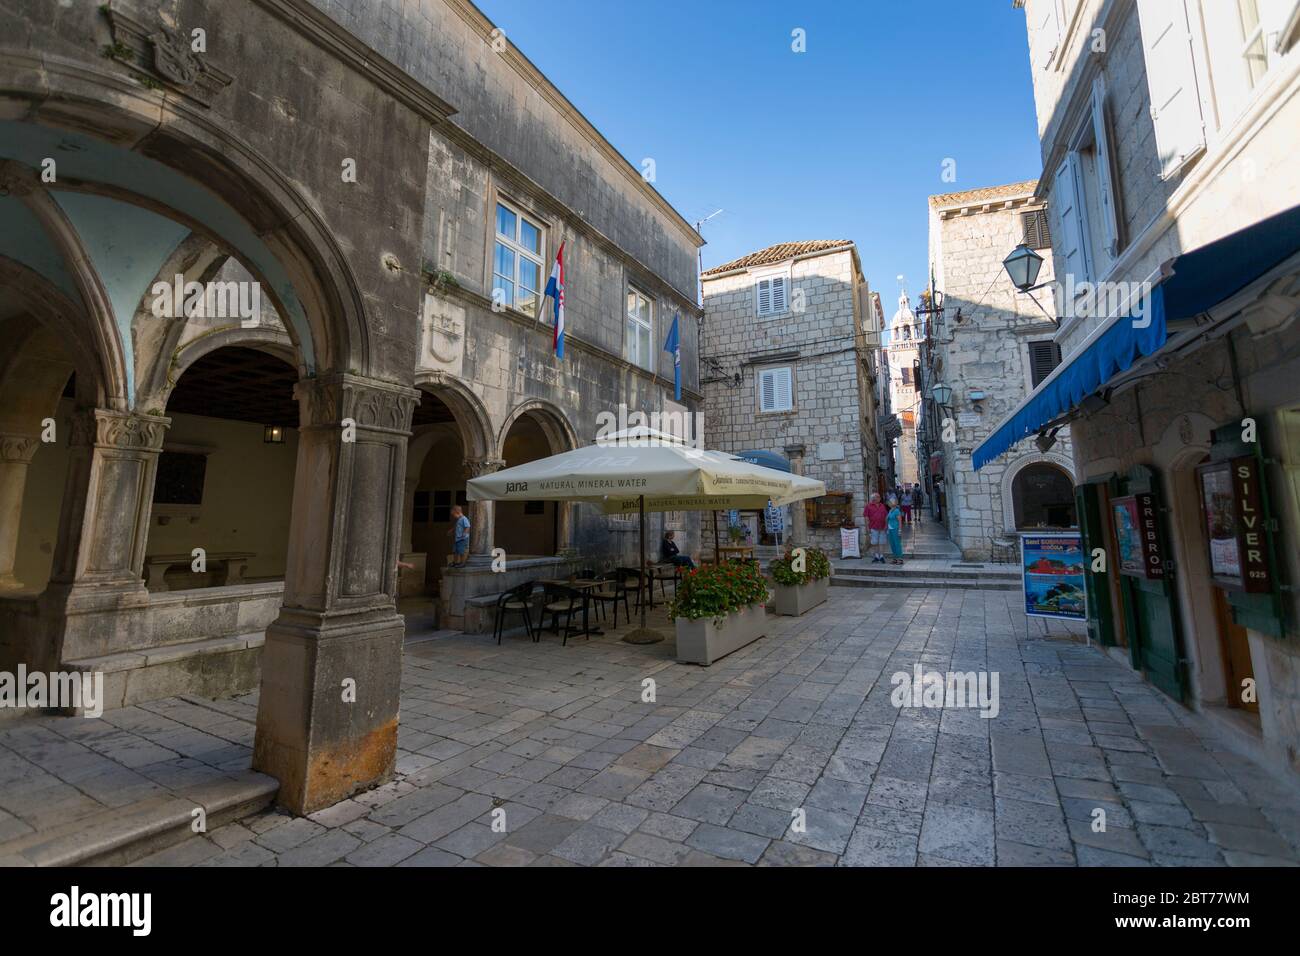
<point x="1029" y="361"/>
<point x="770" y="276"/>
<point x="759" y="373"/>
<point x="517" y="249"/>
<point x="630" y="343"/>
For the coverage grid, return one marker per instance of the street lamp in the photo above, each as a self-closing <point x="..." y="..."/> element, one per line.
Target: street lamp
<point x="1022" y="265"/>
<point x="942" y="394"/>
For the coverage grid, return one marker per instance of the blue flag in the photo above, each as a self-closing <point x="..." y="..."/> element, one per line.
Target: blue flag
<point x="674" y="345"/>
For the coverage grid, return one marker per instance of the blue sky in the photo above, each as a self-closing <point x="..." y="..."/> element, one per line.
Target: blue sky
<point x="843" y="141"/>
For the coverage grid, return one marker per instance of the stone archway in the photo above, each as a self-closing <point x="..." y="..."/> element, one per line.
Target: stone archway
<point x="1056" y="459"/>
<point x="559" y="435"/>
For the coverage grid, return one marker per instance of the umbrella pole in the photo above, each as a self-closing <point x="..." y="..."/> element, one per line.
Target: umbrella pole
<point x="642" y="634"/>
<point x="717" y="555"/>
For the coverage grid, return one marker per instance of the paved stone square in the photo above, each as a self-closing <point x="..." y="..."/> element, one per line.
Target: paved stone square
<point x="543" y="755"/>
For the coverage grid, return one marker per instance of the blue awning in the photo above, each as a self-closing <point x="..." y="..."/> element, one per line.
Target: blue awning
<point x="768" y="459"/>
<point x="1200" y="280"/>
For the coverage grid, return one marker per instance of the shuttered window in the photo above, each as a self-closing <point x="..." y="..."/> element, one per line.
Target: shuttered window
<point x="1047" y="32"/>
<point x="772" y="294"/>
<point x="1171" y="79"/>
<point x="1069" y="229"/>
<point x="1038" y="235"/>
<point x="1043" y="358"/>
<point x="775" y="389"/>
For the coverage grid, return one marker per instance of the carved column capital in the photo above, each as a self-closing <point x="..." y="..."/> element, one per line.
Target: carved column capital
<point x="478" y="467"/>
<point x="128" y="431"/>
<point x="18" y="449"/>
<point x="370" y="404"/>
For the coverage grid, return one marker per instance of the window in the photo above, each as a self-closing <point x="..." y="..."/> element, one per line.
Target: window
<point x="771" y="294"/>
<point x="179" y="479"/>
<point x="775" y="389"/>
<point x="830" y="511"/>
<point x="1253" y="50"/>
<point x="420" y="508"/>
<point x="640" y="329"/>
<point x="517" y="259"/>
<point x="1084" y="200"/>
<point x="1043" y="358"/>
<point x="907" y="376"/>
<point x="1171" y="79"/>
<point x="1036" y="231"/>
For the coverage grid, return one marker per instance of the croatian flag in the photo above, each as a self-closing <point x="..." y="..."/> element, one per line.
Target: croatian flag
<point x="555" y="290"/>
<point x="674" y="345"/>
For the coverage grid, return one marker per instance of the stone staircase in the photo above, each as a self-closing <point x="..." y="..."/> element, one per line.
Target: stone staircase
<point x="932" y="561"/>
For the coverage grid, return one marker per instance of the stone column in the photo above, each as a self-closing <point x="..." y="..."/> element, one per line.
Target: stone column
<point x="482" y="514"/>
<point x="799" y="520"/>
<point x="96" y="596"/>
<point x="331" y="666"/>
<point x="16" y="452"/>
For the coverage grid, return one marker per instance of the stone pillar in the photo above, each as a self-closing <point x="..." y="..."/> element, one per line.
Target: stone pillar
<point x="331" y="666"/>
<point x="103" y="528"/>
<point x="482" y="514"/>
<point x="16" y="452"/>
<point x="799" y="520"/>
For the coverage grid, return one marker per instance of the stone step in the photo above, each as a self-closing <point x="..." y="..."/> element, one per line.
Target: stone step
<point x="922" y="580"/>
<point x="959" y="574"/>
<point x="118" y="836"/>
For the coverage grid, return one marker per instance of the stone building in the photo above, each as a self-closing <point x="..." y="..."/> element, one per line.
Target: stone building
<point x="201" y="492"/>
<point x="1169" y="166"/>
<point x="991" y="345"/>
<point x="788" y="359"/>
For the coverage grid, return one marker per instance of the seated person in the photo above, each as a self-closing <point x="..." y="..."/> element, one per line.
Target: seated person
<point x="670" y="554"/>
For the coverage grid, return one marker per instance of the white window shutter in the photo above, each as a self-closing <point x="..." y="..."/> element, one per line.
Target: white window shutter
<point x="784" y="400"/>
<point x="1105" y="181"/>
<point x="1171" y="79"/>
<point x="1047" y="33"/>
<point x="764" y="287"/>
<point x="778" y="295"/>
<point x="766" y="391"/>
<point x="1068" y="233"/>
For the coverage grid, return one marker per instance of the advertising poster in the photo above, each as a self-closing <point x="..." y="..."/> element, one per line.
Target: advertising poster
<point x="1219" y="506"/>
<point x="1052" y="570"/>
<point x="1127" y="537"/>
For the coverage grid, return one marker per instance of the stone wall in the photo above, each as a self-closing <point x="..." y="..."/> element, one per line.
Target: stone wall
<point x="987" y="351"/>
<point x="820" y="344"/>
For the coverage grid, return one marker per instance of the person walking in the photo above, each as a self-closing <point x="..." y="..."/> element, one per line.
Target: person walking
<point x="906" y="503"/>
<point x="894" y="524"/>
<point x="876" y="514"/>
<point x="459" y="531"/>
<point x="918" y="501"/>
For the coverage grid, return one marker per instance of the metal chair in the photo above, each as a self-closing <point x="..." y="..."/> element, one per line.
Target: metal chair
<point x="520" y="599"/>
<point x="1004" y="546"/>
<point x="562" y="601"/>
<point x="609" y="592"/>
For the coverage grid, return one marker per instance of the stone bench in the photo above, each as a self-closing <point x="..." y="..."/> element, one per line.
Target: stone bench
<point x="233" y="563"/>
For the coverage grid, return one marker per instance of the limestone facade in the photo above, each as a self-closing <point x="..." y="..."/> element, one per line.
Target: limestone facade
<point x="350" y="162"/>
<point x="1217" y="158"/>
<point x="824" y="343"/>
<point x="984" y="355"/>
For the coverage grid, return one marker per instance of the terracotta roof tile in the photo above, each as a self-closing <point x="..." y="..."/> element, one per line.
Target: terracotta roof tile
<point x="779" y="253"/>
<point x="986" y="194"/>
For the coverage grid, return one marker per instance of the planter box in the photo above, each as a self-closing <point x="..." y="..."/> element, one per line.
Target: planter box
<point x="793" y="599"/>
<point x="703" y="642"/>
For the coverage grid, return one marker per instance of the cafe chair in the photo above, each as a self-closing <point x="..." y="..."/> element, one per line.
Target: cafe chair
<point x="562" y="601"/>
<point x="610" y="591"/>
<point x="519" y="600"/>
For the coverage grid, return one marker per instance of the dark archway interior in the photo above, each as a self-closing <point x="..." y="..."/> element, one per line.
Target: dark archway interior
<point x="1044" y="498"/>
<point x="226" y="473"/>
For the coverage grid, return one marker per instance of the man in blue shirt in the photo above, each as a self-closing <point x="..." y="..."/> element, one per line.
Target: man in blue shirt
<point x="460" y="537"/>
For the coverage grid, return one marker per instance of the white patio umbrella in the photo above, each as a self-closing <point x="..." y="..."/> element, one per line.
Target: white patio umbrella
<point x="641" y="469"/>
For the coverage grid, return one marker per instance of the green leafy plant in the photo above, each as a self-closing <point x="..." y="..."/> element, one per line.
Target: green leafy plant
<point x="816" y="566"/>
<point x="718" y="590"/>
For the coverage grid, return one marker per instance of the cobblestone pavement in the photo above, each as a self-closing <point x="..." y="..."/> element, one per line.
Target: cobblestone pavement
<point x="555" y="747"/>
